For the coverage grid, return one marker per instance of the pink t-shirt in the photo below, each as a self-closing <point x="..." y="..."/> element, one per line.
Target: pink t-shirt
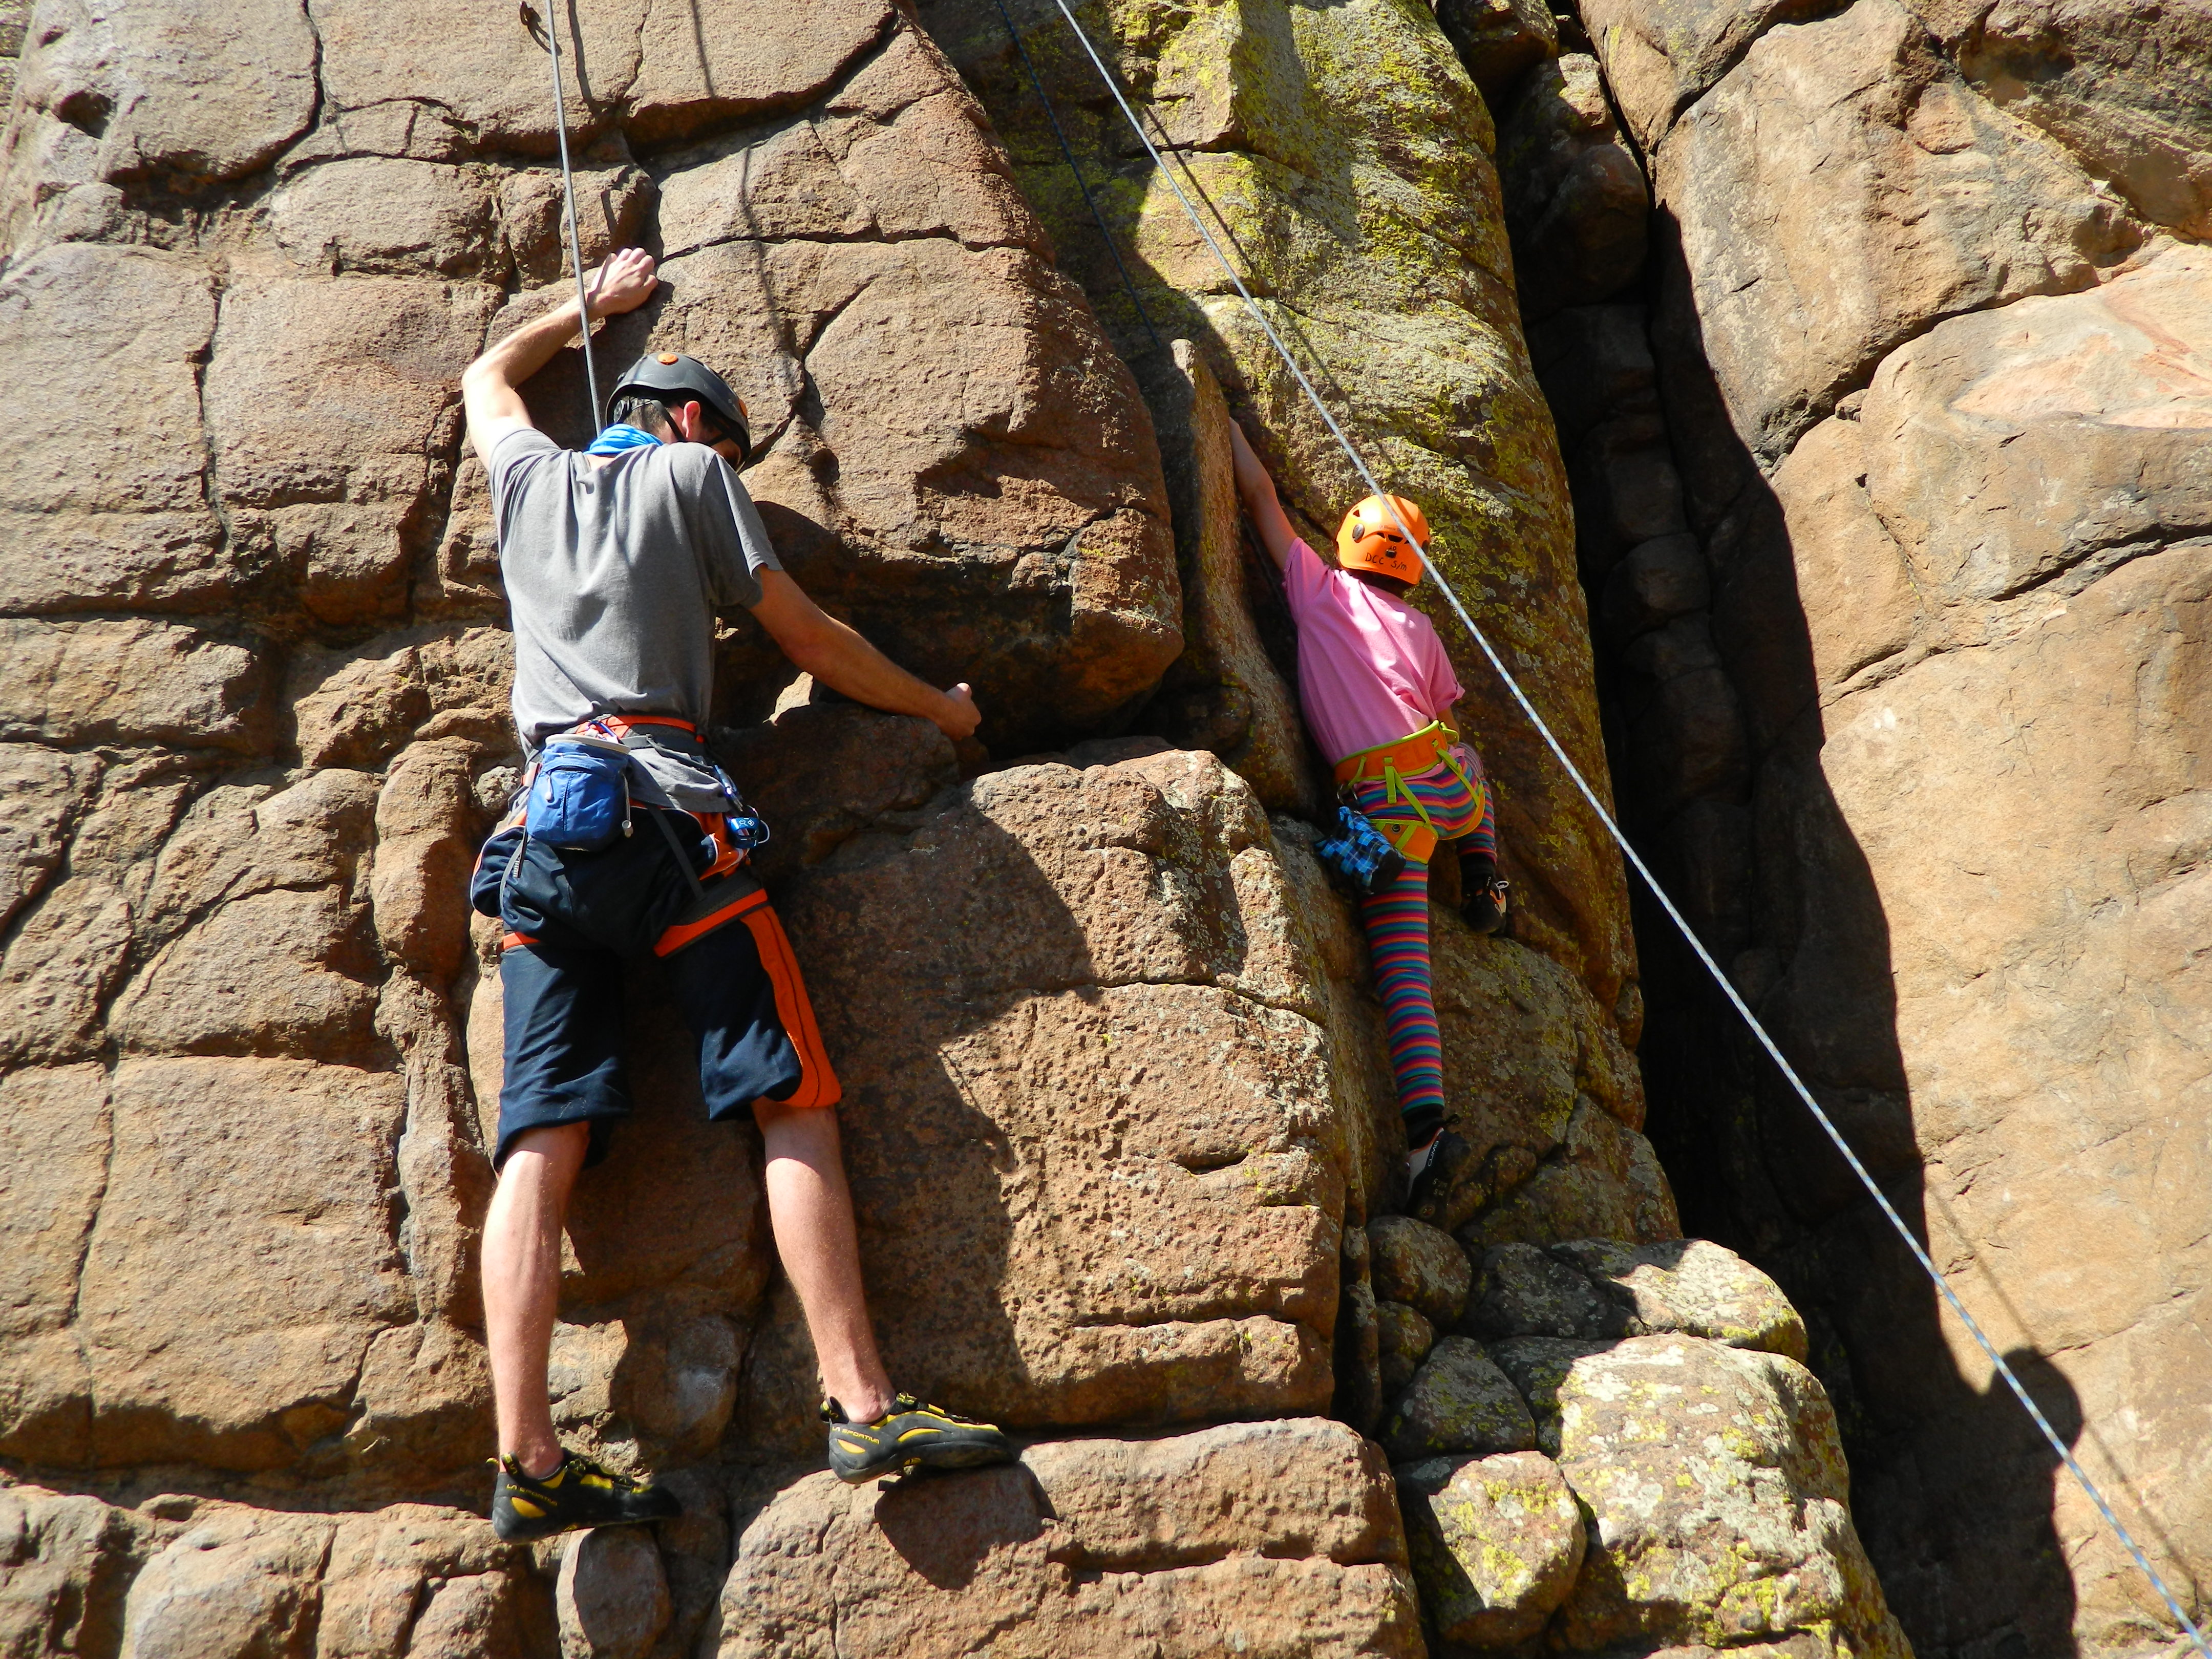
<point x="1370" y="667"/>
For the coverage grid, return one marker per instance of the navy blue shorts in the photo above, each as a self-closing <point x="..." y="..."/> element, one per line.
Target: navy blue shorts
<point x="571" y="919"/>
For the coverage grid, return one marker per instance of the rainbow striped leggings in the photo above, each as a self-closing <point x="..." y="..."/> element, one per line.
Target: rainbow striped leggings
<point x="1397" y="920"/>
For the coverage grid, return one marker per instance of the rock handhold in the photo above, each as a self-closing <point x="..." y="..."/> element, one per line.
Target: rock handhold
<point x="613" y="1594"/>
<point x="1274" y="1538"/>
<point x="1462" y="1181"/>
<point x="1496" y="1543"/>
<point x="1404" y="1337"/>
<point x="70" y="1558"/>
<point x="239" y="1582"/>
<point x="1416" y="1264"/>
<point x="1458" y="1403"/>
<point x="1523" y="1291"/>
<point x="1693" y="1286"/>
<point x="1604" y="1182"/>
<point x="1223" y="693"/>
<point x="1718" y="1501"/>
<point x="1537" y="1366"/>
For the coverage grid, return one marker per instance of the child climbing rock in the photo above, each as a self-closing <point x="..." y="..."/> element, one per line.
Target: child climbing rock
<point x="1377" y="690"/>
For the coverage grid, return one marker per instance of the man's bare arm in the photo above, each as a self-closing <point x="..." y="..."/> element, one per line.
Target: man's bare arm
<point x="842" y="660"/>
<point x="1258" y="490"/>
<point x="488" y="386"/>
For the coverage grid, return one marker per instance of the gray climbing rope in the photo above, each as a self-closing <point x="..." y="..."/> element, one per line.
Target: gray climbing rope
<point x="1581" y="784"/>
<point x="551" y="42"/>
<point x="1067" y="152"/>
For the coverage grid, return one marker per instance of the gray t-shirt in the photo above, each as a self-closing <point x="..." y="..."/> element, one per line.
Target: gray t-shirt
<point x="614" y="575"/>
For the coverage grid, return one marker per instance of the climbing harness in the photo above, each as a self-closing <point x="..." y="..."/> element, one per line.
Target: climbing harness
<point x="1391" y="764"/>
<point x="576" y="797"/>
<point x="727" y="837"/>
<point x="2058" y="1445"/>
<point x="551" y="41"/>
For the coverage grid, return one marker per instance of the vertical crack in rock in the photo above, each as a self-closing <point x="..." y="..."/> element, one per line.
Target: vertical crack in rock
<point x="1891" y="550"/>
<point x="1117" y="1113"/>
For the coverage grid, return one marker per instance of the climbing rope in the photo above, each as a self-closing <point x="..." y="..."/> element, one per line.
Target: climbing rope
<point x="1574" y="773"/>
<point x="542" y="31"/>
<point x="1036" y="82"/>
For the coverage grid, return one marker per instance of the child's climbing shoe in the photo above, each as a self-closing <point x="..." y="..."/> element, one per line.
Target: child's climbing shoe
<point x="1430" y="1171"/>
<point x="580" y="1494"/>
<point x="910" y="1435"/>
<point x="1485" y="896"/>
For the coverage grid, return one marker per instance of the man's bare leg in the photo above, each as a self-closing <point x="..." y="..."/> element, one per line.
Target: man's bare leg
<point x="811" y="1209"/>
<point x="522" y="1286"/>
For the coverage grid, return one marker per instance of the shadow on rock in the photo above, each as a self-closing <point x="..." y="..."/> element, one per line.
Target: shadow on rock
<point x="1713" y="700"/>
<point x="946" y="1527"/>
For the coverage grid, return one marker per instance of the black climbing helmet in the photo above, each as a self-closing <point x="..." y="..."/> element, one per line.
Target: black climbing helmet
<point x="671" y="377"/>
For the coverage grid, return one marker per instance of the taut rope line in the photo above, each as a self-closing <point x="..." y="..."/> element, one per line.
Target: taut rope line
<point x="1581" y="783"/>
<point x="552" y="43"/>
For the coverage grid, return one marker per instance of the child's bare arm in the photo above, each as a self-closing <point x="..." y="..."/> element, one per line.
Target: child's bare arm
<point x="1258" y="490"/>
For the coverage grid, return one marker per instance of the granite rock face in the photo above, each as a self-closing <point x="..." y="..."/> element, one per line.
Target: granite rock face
<point x="1372" y="228"/>
<point x="1278" y="1539"/>
<point x="1497" y="1543"/>
<point x="1019" y="465"/>
<point x="1921" y="391"/>
<point x="1660" y="1437"/>
<point x="1617" y="1492"/>
<point x="1118" y="1114"/>
<point x="1576" y="204"/>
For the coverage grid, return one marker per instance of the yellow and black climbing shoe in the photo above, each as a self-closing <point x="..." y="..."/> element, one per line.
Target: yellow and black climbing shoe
<point x="580" y="1494"/>
<point x="910" y="1435"/>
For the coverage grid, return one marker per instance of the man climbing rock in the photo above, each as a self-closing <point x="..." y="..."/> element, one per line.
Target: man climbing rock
<point x="1377" y="691"/>
<point x="633" y="842"/>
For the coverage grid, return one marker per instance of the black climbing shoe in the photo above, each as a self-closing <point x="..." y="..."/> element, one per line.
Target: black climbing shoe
<point x="910" y="1435"/>
<point x="580" y="1494"/>
<point x="1430" y="1171"/>
<point x="1485" y="896"/>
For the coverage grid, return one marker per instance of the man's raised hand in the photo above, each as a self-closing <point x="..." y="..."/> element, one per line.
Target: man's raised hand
<point x="624" y="283"/>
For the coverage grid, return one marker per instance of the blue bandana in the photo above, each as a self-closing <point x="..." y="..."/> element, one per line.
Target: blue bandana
<point x="615" y="439"/>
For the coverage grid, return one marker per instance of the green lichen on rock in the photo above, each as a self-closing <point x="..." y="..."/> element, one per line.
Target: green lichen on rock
<point x="1403" y="1339"/>
<point x="1519" y="1290"/>
<point x="1693" y="1286"/>
<point x="1344" y="157"/>
<point x="1496" y="1543"/>
<point x="1458" y="1403"/>
<point x="1716" y="1494"/>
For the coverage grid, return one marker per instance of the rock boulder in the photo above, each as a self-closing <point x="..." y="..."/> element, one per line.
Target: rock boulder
<point x="1277" y="1539"/>
<point x="1496" y="1543"/>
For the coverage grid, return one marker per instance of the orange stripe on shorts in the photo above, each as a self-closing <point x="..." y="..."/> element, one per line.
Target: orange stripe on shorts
<point x="817" y="1083"/>
<point x="676" y="938"/>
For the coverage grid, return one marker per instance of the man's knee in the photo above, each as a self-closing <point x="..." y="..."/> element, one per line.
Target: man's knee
<point x="783" y="1124"/>
<point x="550" y="1157"/>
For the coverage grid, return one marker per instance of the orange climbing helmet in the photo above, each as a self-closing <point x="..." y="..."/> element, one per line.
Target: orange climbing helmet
<point x="1370" y="540"/>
